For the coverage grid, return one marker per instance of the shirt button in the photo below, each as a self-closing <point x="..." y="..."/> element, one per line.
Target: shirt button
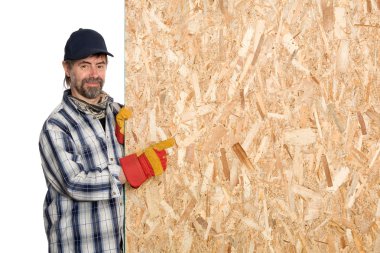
<point x="121" y="203"/>
<point x="111" y="159"/>
<point x="113" y="193"/>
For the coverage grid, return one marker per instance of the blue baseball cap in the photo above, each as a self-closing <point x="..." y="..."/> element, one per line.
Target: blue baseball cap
<point x="83" y="43"/>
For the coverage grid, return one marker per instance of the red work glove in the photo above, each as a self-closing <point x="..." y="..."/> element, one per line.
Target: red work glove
<point x="124" y="114"/>
<point x="152" y="162"/>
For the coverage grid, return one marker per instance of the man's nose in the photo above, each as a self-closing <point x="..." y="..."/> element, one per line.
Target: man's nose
<point x="94" y="72"/>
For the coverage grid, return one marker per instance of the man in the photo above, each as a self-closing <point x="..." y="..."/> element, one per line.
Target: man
<point x="82" y="159"/>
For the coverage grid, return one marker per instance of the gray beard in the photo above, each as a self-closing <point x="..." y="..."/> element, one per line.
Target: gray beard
<point x="91" y="92"/>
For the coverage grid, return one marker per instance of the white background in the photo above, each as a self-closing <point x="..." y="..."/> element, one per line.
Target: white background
<point x="32" y="39"/>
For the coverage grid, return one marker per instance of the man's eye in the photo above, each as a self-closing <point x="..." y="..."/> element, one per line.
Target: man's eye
<point x="83" y="66"/>
<point x="100" y="66"/>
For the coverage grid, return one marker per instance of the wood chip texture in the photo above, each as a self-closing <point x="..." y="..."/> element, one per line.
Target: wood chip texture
<point x="296" y="84"/>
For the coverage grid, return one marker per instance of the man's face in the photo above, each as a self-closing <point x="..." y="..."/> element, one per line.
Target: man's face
<point x="87" y="77"/>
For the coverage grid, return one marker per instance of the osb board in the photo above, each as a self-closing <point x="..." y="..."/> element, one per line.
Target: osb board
<point x="296" y="84"/>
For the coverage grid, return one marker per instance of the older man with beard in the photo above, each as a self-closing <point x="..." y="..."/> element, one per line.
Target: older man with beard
<point x="82" y="157"/>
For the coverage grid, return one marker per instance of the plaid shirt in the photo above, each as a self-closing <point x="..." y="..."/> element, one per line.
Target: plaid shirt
<point x="83" y="208"/>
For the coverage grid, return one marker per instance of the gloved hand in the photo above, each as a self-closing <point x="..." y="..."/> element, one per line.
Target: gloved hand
<point x="152" y="162"/>
<point x="124" y="114"/>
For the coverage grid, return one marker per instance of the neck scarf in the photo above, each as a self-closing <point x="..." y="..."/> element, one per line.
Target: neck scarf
<point x="98" y="111"/>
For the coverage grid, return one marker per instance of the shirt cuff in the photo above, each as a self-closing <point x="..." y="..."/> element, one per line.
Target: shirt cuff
<point x="114" y="179"/>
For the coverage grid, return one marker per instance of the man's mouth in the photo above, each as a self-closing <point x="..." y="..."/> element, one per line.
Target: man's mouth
<point x="93" y="84"/>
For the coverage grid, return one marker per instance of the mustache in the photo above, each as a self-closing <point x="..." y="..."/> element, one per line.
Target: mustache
<point x="93" y="80"/>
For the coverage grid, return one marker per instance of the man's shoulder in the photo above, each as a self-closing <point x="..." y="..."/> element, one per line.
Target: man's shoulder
<point x="58" y="117"/>
<point x="57" y="111"/>
<point x="116" y="107"/>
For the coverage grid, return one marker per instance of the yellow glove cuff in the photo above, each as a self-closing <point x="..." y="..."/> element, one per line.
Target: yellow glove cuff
<point x="154" y="161"/>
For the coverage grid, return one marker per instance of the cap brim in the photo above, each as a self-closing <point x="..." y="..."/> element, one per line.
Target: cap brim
<point x="87" y="54"/>
<point x="100" y="52"/>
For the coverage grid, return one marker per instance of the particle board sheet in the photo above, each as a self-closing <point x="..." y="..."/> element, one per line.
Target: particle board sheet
<point x="275" y="108"/>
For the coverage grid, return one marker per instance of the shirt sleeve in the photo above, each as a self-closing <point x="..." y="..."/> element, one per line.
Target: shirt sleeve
<point x="64" y="168"/>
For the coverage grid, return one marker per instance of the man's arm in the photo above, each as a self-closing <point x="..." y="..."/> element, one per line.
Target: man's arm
<point x="63" y="167"/>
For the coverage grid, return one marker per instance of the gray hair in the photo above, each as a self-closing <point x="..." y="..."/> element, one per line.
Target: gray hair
<point x="67" y="80"/>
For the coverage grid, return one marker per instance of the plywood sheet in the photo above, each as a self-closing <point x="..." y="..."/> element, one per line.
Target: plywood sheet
<point x="275" y="108"/>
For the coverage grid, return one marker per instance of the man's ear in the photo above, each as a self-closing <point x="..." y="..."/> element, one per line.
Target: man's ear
<point x="66" y="68"/>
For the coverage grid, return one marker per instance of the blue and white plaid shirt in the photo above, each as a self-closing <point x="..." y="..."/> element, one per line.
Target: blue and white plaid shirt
<point x="83" y="208"/>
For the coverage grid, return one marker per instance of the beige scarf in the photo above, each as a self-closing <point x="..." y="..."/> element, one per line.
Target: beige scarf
<point x="98" y="111"/>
